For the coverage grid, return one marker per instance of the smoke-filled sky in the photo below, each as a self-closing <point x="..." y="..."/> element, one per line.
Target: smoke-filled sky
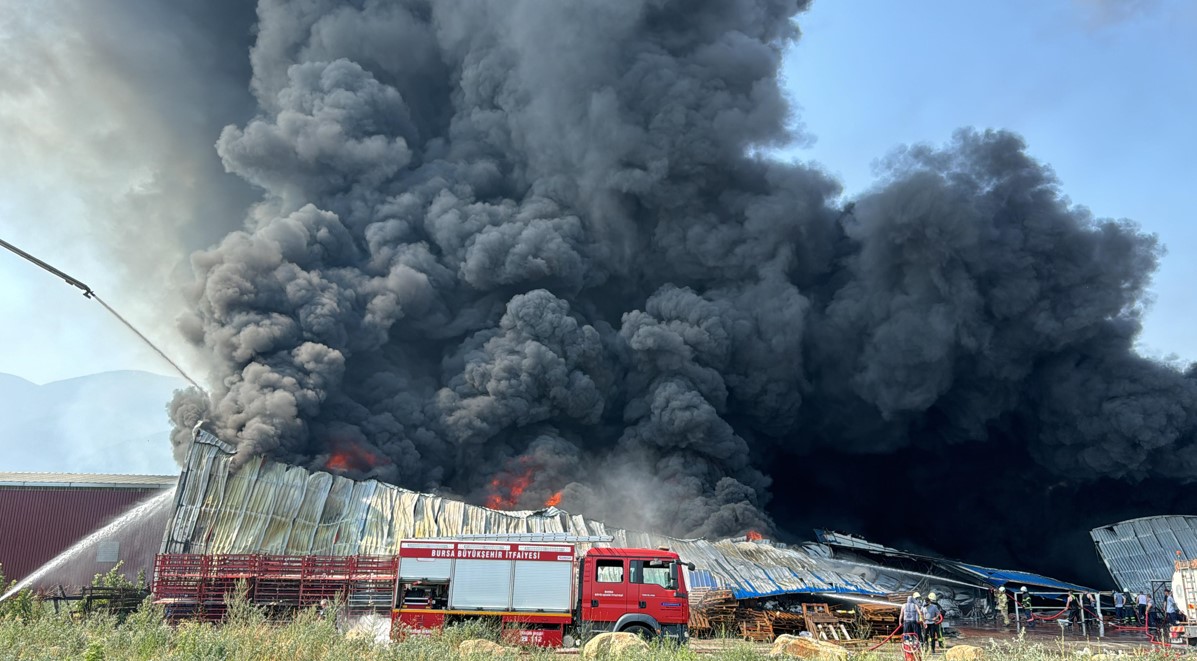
<point x="604" y="250"/>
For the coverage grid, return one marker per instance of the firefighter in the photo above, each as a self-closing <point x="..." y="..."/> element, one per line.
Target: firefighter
<point x="1120" y="607"/>
<point x="933" y="617"/>
<point x="1024" y="602"/>
<point x="1002" y="605"/>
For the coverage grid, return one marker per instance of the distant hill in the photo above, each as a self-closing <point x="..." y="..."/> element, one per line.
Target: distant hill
<point x="111" y="422"/>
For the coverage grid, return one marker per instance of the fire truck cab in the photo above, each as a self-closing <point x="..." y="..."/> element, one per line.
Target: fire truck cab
<point x="542" y="593"/>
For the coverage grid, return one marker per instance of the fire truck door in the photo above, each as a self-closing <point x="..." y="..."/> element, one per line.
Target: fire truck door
<point x="655" y="591"/>
<point x="609" y="590"/>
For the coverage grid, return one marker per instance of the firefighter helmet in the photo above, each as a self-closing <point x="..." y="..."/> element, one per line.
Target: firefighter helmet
<point x="1023" y="589"/>
<point x="931" y="596"/>
<point x="916" y="595"/>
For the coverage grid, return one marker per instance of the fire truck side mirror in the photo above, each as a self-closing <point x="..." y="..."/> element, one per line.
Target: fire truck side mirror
<point x="690" y="566"/>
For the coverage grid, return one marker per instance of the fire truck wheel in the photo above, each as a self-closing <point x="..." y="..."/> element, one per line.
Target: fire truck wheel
<point x="644" y="632"/>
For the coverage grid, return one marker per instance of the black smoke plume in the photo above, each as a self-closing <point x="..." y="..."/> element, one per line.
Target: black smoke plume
<point x="542" y="242"/>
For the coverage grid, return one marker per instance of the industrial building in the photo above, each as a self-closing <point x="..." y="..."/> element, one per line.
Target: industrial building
<point x="44" y="514"/>
<point x="265" y="508"/>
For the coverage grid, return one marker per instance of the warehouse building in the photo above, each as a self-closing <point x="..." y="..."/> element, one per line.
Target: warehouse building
<point x="43" y="515"/>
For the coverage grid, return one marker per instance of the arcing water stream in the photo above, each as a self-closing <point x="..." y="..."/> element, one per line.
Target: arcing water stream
<point x="139" y="511"/>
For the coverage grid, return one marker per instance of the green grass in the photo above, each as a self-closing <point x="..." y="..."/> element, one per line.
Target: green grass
<point x="42" y="634"/>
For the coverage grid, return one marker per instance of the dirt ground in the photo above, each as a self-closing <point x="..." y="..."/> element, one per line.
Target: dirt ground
<point x="1047" y="633"/>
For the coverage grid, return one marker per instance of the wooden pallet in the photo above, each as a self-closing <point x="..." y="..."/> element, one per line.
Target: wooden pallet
<point x="714" y="613"/>
<point x="823" y="624"/>
<point x="754" y="626"/>
<point x="878" y="618"/>
<point x="787" y="623"/>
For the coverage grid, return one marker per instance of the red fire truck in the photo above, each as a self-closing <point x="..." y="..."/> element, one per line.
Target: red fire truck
<point x="542" y="593"/>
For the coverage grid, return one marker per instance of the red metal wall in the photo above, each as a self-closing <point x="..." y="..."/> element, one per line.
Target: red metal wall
<point x="36" y="524"/>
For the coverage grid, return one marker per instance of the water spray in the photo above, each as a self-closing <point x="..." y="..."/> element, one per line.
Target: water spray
<point x="89" y="293"/>
<point x="76" y="550"/>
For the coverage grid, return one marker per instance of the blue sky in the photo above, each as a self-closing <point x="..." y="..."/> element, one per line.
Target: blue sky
<point x="1104" y="91"/>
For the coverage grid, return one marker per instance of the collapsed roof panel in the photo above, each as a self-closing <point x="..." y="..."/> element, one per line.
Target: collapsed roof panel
<point x="999" y="577"/>
<point x="1140" y="551"/>
<point x="264" y="507"/>
<point x="970" y="573"/>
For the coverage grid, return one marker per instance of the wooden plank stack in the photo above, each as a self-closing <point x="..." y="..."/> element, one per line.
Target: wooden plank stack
<point x="714" y="614"/>
<point x="754" y="626"/>
<point x="787" y="623"/>
<point x="880" y="619"/>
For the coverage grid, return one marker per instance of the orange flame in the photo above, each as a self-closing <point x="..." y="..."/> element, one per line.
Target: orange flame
<point x="508" y="490"/>
<point x="753" y="536"/>
<point x="554" y="500"/>
<point x="349" y="455"/>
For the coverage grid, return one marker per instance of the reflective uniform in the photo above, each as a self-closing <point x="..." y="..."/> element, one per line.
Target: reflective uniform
<point x="1024" y="602"/>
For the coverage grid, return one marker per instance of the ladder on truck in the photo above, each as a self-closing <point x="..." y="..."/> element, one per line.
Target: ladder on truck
<point x="1188" y="583"/>
<point x="530" y="537"/>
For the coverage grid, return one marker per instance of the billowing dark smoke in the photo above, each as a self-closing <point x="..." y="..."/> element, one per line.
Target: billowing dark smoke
<point x="538" y="242"/>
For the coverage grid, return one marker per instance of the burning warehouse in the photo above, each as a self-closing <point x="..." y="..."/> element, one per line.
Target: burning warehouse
<point x="539" y="253"/>
<point x="266" y="508"/>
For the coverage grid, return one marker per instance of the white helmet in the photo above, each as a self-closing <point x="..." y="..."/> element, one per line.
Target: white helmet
<point x="1023" y="589"/>
<point x="1002" y="589"/>
<point x="916" y="595"/>
<point x="931" y="596"/>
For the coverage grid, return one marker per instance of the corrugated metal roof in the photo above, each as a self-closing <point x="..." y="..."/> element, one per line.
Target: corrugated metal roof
<point x="998" y="577"/>
<point x="264" y="506"/>
<point x="87" y="480"/>
<point x="1140" y="551"/>
<point x="852" y="542"/>
<point x="995" y="577"/>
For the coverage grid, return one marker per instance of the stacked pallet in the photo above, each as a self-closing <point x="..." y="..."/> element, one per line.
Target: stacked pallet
<point x="754" y="626"/>
<point x="880" y="619"/>
<point x="717" y="611"/>
<point x="787" y="623"/>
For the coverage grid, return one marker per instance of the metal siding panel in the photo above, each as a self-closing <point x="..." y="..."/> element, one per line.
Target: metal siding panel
<point x="211" y="499"/>
<point x="1141" y="550"/>
<point x="377" y="532"/>
<point x="227" y="519"/>
<point x="307" y="518"/>
<point x="349" y="533"/>
<point x="404" y="515"/>
<point x="330" y="516"/>
<point x="256" y="516"/>
<point x="28" y="542"/>
<point x="281" y="518"/>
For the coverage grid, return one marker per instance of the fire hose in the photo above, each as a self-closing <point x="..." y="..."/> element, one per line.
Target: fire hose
<point x="898" y="628"/>
<point x="89" y="293"/>
<point x="886" y="639"/>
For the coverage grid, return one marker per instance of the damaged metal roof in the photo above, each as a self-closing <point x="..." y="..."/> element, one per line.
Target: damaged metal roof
<point x="1139" y="551"/>
<point x="267" y="507"/>
<point x="986" y="575"/>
